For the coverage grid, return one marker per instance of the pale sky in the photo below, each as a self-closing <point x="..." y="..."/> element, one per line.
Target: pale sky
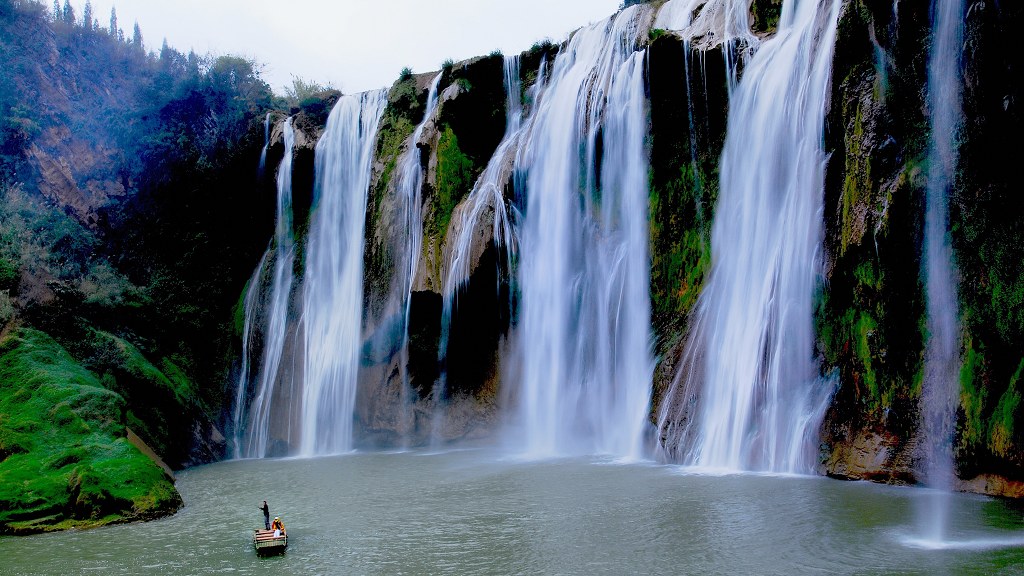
<point x="355" y="45"/>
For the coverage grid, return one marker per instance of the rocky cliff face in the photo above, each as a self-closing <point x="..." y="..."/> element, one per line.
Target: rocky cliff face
<point x="871" y="316"/>
<point x="870" y="312"/>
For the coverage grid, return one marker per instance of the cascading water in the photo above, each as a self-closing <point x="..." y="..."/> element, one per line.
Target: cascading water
<point x="677" y="15"/>
<point x="710" y="23"/>
<point x="940" y="390"/>
<point x="266" y="143"/>
<point x="257" y="420"/>
<point x="410" y="194"/>
<point x="751" y="397"/>
<point x="333" y="288"/>
<point x="487" y="196"/>
<point x="251" y="303"/>
<point x="705" y="24"/>
<point x="487" y="193"/>
<point x="584" y="333"/>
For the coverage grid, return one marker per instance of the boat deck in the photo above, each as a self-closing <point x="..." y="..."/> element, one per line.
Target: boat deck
<point x="266" y="543"/>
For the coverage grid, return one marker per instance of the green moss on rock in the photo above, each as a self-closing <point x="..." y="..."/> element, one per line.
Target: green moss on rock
<point x="64" y="459"/>
<point x="1003" y="429"/>
<point x="688" y="119"/>
<point x="766" y="15"/>
<point x="973" y="395"/>
<point x="159" y="395"/>
<point x="454" y="182"/>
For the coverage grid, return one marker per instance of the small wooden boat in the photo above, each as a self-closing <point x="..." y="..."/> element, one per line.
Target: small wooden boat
<point x="267" y="544"/>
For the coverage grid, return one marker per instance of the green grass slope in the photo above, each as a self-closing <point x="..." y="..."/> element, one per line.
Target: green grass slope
<point x="65" y="461"/>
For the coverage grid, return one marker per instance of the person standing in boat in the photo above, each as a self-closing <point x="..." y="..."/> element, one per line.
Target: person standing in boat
<point x="266" y="514"/>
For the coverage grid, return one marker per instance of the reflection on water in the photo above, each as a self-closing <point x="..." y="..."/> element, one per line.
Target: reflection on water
<point x="471" y="512"/>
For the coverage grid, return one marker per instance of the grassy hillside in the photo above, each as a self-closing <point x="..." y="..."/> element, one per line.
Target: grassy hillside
<point x="65" y="460"/>
<point x="131" y="212"/>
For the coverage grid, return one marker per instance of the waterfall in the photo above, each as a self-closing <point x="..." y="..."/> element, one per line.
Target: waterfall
<point x="410" y="194"/>
<point x="485" y="200"/>
<point x="257" y="423"/>
<point x="266" y="143"/>
<point x="487" y="194"/>
<point x="333" y="289"/>
<point x="724" y="23"/>
<point x="250" y="304"/>
<point x="249" y="327"/>
<point x="584" y="336"/>
<point x="940" y="391"/>
<point x="750" y="397"/>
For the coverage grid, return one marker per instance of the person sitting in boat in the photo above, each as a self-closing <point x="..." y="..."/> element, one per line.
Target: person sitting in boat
<point x="277" y="527"/>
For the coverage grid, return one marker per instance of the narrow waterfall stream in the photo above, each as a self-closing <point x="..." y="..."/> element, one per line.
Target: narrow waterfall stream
<point x="257" y="419"/>
<point x="486" y="200"/>
<point x="752" y="382"/>
<point x="940" y="391"/>
<point x="332" y="301"/>
<point x="710" y="23"/>
<point x="487" y="194"/>
<point x="410" y="195"/>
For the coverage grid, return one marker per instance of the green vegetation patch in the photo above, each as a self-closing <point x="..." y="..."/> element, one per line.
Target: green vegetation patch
<point x="64" y="459"/>
<point x="766" y="15"/>
<point x="681" y="251"/>
<point x="857" y="186"/>
<point x="1002" y="430"/>
<point x="873" y="337"/>
<point x="159" y="396"/>
<point x="454" y="182"/>
<point x="973" y="394"/>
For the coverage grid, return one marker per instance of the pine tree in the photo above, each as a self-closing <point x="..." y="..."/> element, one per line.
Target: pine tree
<point x="69" y="13"/>
<point x="87" y="15"/>
<point x="137" y="36"/>
<point x="113" y="21"/>
<point x="56" y="10"/>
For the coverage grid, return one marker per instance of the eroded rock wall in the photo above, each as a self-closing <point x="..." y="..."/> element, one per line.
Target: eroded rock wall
<point x="871" y="317"/>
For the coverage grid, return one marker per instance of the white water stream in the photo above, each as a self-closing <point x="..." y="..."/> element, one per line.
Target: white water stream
<point x="409" y="188"/>
<point x="333" y="289"/>
<point x="486" y="200"/>
<point x="941" y="386"/>
<point x="256" y="422"/>
<point x="750" y="360"/>
<point x="584" y="335"/>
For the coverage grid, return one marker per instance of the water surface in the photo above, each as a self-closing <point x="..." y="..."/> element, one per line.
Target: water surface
<point x="471" y="512"/>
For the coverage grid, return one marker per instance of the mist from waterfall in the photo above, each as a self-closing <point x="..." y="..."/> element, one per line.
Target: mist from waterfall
<point x="584" y="335"/>
<point x="941" y="386"/>
<point x="332" y="300"/>
<point x="256" y="422"/>
<point x="750" y="397"/>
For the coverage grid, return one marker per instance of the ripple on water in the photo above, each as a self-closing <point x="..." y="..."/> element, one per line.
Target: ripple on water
<point x="477" y="512"/>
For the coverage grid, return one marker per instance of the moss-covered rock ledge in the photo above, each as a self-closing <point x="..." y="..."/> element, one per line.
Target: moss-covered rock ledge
<point x="65" y="457"/>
